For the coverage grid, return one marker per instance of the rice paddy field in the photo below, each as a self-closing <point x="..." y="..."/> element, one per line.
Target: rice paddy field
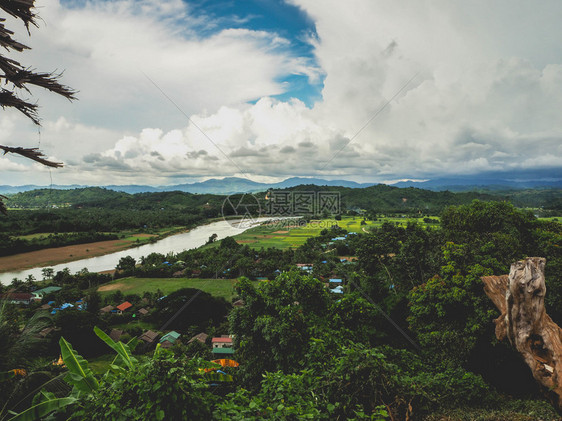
<point x="291" y="233"/>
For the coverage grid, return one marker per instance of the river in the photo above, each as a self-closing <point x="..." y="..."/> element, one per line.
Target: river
<point x="174" y="243"/>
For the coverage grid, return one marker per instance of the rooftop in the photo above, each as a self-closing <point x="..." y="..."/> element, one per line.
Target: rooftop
<point x="149" y="336"/>
<point x="222" y="340"/>
<point x="228" y="351"/>
<point x="170" y="337"/>
<point x="124" y="306"/>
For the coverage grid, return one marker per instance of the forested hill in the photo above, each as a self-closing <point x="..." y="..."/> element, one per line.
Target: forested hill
<point x="384" y="198"/>
<point x="97" y="197"/>
<point x="378" y="198"/>
<point x="43" y="198"/>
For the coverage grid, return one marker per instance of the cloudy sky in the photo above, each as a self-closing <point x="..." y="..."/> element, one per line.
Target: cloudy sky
<point x="174" y="91"/>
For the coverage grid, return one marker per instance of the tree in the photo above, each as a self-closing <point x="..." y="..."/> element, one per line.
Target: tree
<point x="47" y="273"/>
<point x="126" y="265"/>
<point x="18" y="78"/>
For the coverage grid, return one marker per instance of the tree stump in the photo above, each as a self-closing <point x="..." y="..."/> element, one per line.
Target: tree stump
<point x="520" y="299"/>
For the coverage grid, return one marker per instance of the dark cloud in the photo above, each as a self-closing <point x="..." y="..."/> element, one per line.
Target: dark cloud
<point x="245" y="152"/>
<point x="288" y="149"/>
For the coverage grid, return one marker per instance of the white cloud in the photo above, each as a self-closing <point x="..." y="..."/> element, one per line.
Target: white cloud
<point x="487" y="95"/>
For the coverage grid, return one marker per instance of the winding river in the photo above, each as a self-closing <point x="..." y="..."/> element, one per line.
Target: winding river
<point x="174" y="243"/>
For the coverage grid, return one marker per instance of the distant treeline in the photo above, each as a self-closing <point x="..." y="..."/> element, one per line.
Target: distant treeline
<point x="388" y="199"/>
<point x="25" y="222"/>
<point x="13" y="245"/>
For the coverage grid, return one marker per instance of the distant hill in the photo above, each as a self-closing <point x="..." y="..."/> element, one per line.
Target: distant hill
<point x="485" y="182"/>
<point x="493" y="181"/>
<point x="42" y="198"/>
<point x="379" y="198"/>
<point x="229" y="185"/>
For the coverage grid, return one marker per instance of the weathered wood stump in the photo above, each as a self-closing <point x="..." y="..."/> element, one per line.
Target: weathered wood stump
<point x="520" y="299"/>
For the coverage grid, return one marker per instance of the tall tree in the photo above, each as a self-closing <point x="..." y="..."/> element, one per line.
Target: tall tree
<point x="16" y="78"/>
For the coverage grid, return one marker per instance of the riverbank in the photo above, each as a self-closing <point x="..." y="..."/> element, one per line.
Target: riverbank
<point x="65" y="254"/>
<point x="58" y="255"/>
<point x="107" y="260"/>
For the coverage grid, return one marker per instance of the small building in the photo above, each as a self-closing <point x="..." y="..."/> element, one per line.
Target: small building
<point x="335" y="281"/>
<point x="17" y="297"/>
<point x="44" y="332"/>
<point x="238" y="303"/>
<point x="107" y="309"/>
<point x="40" y="293"/>
<point x="121" y="308"/>
<point x="116" y="334"/>
<point x="221" y="342"/>
<point x="201" y="337"/>
<point x="337" y="290"/>
<point x="142" y="312"/>
<point x="219" y="352"/>
<point x="307" y="267"/>
<point x="169" y="339"/>
<point x="148" y="337"/>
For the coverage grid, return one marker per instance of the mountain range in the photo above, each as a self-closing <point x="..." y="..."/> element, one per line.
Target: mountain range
<point x="229" y="185"/>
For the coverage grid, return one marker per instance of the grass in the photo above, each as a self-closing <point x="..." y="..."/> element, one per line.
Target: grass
<point x="132" y="285"/>
<point x="99" y="365"/>
<point x="290" y="234"/>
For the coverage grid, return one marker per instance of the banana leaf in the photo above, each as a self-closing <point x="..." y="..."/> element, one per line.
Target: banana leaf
<point x="79" y="374"/>
<point x="124" y="355"/>
<point x="43" y="408"/>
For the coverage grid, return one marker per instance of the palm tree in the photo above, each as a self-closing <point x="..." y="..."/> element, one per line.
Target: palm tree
<point x="18" y="78"/>
<point x="18" y="349"/>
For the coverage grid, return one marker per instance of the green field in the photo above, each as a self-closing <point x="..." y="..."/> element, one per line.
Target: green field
<point x="132" y="285"/>
<point x="291" y="234"/>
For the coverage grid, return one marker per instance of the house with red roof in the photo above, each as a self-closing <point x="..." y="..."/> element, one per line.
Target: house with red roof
<point x="17" y="297"/>
<point x="123" y="307"/>
<point x="222" y="346"/>
<point x="222" y="342"/>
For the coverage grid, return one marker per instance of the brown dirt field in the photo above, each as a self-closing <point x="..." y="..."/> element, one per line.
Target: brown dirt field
<point x="53" y="256"/>
<point x="114" y="287"/>
<point x="281" y="232"/>
<point x="246" y="241"/>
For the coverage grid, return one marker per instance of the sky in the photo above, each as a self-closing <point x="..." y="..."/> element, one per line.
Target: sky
<point x="174" y="91"/>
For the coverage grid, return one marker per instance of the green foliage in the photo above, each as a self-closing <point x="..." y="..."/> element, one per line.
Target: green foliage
<point x="450" y="312"/>
<point x="496" y="233"/>
<point x="274" y="326"/>
<point x="79" y="375"/>
<point x="161" y="388"/>
<point x="203" y="310"/>
<point x="289" y="397"/>
<point x="43" y="404"/>
<point x="126" y="266"/>
<point x="124" y="354"/>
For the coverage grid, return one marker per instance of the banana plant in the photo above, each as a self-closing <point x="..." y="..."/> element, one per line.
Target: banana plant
<point x="43" y="404"/>
<point x="79" y="375"/>
<point x="124" y="352"/>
